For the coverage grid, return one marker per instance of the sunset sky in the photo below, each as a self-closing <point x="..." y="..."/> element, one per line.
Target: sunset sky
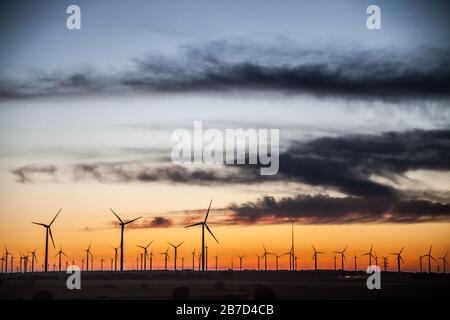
<point x="86" y="118"/>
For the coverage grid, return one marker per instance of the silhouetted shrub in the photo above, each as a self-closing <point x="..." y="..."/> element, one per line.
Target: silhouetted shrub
<point x="43" y="295"/>
<point x="263" y="293"/>
<point x="180" y="293"/>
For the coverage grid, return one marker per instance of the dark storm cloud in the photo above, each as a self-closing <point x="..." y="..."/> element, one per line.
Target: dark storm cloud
<point x="229" y="66"/>
<point x="325" y="209"/>
<point x="25" y="174"/>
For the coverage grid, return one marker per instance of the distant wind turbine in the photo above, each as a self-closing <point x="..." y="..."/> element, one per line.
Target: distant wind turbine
<point x="48" y="231"/>
<point x="60" y="253"/>
<point x="204" y="225"/>
<point x="145" y="253"/>
<point x="166" y="258"/>
<point x="33" y="259"/>
<point x="7" y="253"/>
<point x="122" y="229"/>
<point x="342" y="253"/>
<point x="430" y="257"/>
<point x="265" y="257"/>
<point x="370" y="255"/>
<point x="385" y="263"/>
<point x="115" y="257"/>
<point x="193" y="260"/>
<point x="315" y="256"/>
<point x="240" y="261"/>
<point x="88" y="253"/>
<point x="444" y="261"/>
<point x="399" y="258"/>
<point x="175" y="248"/>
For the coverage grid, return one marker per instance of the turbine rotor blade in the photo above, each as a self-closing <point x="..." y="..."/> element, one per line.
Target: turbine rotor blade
<point x="55" y="217"/>
<point x="51" y="236"/>
<point x="195" y="224"/>
<point x="207" y="212"/>
<point x="40" y="224"/>
<point x="116" y="215"/>
<point x="128" y="222"/>
<point x="211" y="233"/>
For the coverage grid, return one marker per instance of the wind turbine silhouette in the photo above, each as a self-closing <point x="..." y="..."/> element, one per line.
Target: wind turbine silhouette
<point x="151" y="260"/>
<point x="122" y="229"/>
<point x="277" y="256"/>
<point x="60" y="253"/>
<point x="335" y="267"/>
<point x="115" y="257"/>
<point x="399" y="258"/>
<point x="429" y="256"/>
<point x="444" y="260"/>
<point x="240" y="261"/>
<point x="259" y="260"/>
<point x="217" y="262"/>
<point x="204" y="224"/>
<point x="88" y="253"/>
<point x="175" y="247"/>
<point x="193" y="260"/>
<point x="355" y="258"/>
<point x="342" y="253"/>
<point x="292" y="251"/>
<point x="315" y="256"/>
<point x="420" y="262"/>
<point x="33" y="259"/>
<point x="166" y="258"/>
<point x="385" y="263"/>
<point x="7" y="253"/>
<point x="145" y="253"/>
<point x="48" y="231"/>
<point x="369" y="254"/>
<point x="265" y="257"/>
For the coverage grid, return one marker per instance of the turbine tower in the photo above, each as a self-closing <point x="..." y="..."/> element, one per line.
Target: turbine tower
<point x="204" y="225"/>
<point x="122" y="229"/>
<point x="175" y="247"/>
<point x="399" y="258"/>
<point x="115" y="257"/>
<point x="265" y="257"/>
<point x="7" y="253"/>
<point x="33" y="259"/>
<point x="385" y="263"/>
<point x="48" y="231"/>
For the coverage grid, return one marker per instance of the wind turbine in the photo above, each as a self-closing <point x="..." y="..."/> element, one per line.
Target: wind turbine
<point x="101" y="264"/>
<point x="342" y="253"/>
<point x="385" y="263"/>
<point x="60" y="253"/>
<point x="88" y="253"/>
<point x="33" y="259"/>
<point x="193" y="260"/>
<point x="48" y="231"/>
<point x="292" y="251"/>
<point x="277" y="256"/>
<point x="204" y="224"/>
<point x="166" y="258"/>
<point x="259" y="260"/>
<point x="122" y="229"/>
<point x="420" y="262"/>
<point x="444" y="260"/>
<point x="175" y="247"/>
<point x="115" y="257"/>
<point x="151" y="260"/>
<point x="217" y="262"/>
<point x="315" y="256"/>
<point x="240" y="261"/>
<point x="145" y="253"/>
<point x="429" y="259"/>
<point x="369" y="254"/>
<point x="265" y="257"/>
<point x="335" y="268"/>
<point x="7" y="253"/>
<point x="399" y="258"/>
<point x="355" y="258"/>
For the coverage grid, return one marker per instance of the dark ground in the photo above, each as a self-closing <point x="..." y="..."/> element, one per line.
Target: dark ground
<point x="233" y="285"/>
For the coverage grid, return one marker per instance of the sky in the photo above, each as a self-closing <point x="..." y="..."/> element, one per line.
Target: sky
<point x="86" y="118"/>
